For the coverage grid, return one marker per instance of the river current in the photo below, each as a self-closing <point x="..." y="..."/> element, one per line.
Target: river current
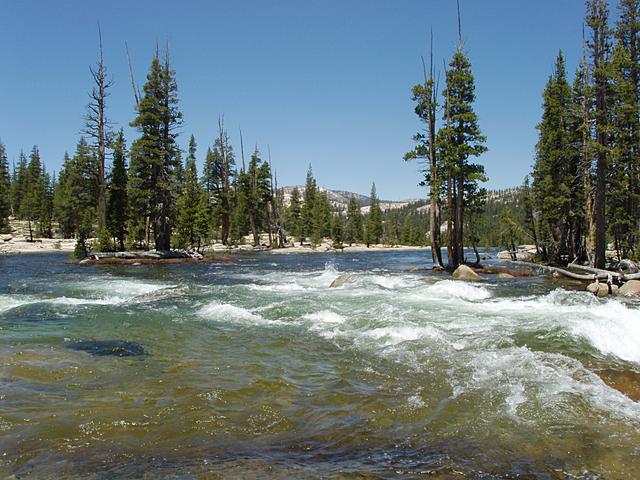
<point x="259" y="369"/>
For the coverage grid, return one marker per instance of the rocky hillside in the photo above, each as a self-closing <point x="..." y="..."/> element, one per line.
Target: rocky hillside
<point x="340" y="199"/>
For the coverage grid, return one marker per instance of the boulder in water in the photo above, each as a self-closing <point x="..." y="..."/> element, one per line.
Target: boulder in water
<point x="463" y="272"/>
<point x="602" y="289"/>
<point x="630" y="289"/>
<point x="340" y="281"/>
<point x="116" y="348"/>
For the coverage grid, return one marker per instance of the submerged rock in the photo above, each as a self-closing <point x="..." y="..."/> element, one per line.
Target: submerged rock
<point x="340" y="281"/>
<point x="505" y="275"/>
<point x="463" y="272"/>
<point x="162" y="294"/>
<point x="630" y="289"/>
<point x="116" y="348"/>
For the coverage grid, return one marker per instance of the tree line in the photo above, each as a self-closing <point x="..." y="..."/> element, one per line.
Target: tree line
<point x="585" y="183"/>
<point x="152" y="197"/>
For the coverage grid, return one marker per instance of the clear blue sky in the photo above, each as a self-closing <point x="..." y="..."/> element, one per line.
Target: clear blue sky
<point x="321" y="82"/>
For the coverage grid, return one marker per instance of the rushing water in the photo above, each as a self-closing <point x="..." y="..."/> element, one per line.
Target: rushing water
<point x="260" y="370"/>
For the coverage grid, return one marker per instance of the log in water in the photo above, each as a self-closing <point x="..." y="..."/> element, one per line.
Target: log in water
<point x="259" y="369"/>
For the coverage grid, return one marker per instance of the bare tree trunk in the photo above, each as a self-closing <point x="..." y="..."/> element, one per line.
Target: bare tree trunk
<point x="434" y="194"/>
<point x="268" y="218"/>
<point x="459" y="241"/>
<point x="254" y="231"/>
<point x="96" y="127"/>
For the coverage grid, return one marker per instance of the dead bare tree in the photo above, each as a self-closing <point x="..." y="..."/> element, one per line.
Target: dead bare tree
<point x="98" y="128"/>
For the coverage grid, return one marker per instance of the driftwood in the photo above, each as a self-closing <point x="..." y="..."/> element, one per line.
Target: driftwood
<point x="596" y="273"/>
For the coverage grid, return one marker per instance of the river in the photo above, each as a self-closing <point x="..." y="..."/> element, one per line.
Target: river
<point x="260" y="370"/>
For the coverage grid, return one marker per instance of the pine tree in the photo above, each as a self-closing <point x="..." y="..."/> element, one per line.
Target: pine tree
<point x="337" y="230"/>
<point x="218" y="179"/>
<point x="320" y="218"/>
<point x="353" y="227"/>
<point x="264" y="192"/>
<point x="45" y="221"/>
<point x="374" y="219"/>
<point x="306" y="213"/>
<point x="153" y="155"/>
<point x="597" y="19"/>
<point x="75" y="195"/>
<point x="34" y="188"/>
<point x="5" y="190"/>
<point x="623" y="199"/>
<point x="557" y="167"/>
<point x="117" y="200"/>
<point x="293" y="215"/>
<point x="18" y="184"/>
<point x="189" y="201"/>
<point x="459" y="140"/>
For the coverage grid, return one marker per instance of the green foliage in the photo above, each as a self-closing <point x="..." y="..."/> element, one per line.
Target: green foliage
<point x="189" y="202"/>
<point x="337" y="230"/>
<point x="556" y="184"/>
<point x="75" y="195"/>
<point x="104" y="241"/>
<point x="353" y="228"/>
<point x="306" y="213"/>
<point x="81" y="249"/>
<point x="154" y="155"/>
<point x="5" y="190"/>
<point x="117" y="199"/>
<point x="374" y="220"/>
<point x="45" y="221"/>
<point x="293" y="215"/>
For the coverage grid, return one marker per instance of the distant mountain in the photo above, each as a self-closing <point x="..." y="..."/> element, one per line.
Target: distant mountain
<point x="340" y="199"/>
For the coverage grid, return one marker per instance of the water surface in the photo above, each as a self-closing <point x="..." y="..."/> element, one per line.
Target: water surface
<point x="260" y="370"/>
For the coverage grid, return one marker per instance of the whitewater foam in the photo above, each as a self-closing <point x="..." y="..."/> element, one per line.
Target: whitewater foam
<point x="324" y="316"/>
<point x="9" y="302"/>
<point x="227" y="312"/>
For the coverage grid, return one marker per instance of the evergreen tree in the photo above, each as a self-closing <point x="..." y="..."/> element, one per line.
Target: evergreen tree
<point x="5" y="190"/>
<point x="557" y="167"/>
<point x="118" y="203"/>
<point x="153" y="155"/>
<point x="374" y="219"/>
<point x="293" y="215"/>
<point x="75" y="196"/>
<point x="45" y="224"/>
<point x="623" y="199"/>
<point x="218" y="179"/>
<point x="320" y="218"/>
<point x="34" y="189"/>
<point x="306" y="213"/>
<point x="239" y="226"/>
<point x="459" y="140"/>
<point x="337" y="231"/>
<point x="353" y="228"/>
<point x="189" y="202"/>
<point x="18" y="184"/>
<point x="597" y="19"/>
<point x="264" y="191"/>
